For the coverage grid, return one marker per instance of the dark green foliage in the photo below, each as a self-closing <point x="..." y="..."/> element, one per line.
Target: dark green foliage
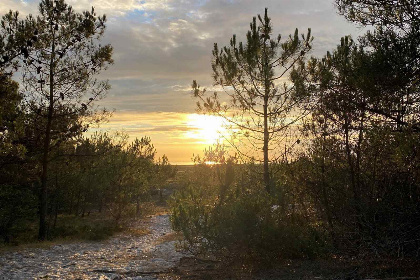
<point x="11" y="121"/>
<point x="365" y="131"/>
<point x="98" y="185"/>
<point x="18" y="209"/>
<point x="58" y="65"/>
<point x="388" y="72"/>
<point x="93" y="228"/>
<point x="16" y="188"/>
<point x="394" y="14"/>
<point x="383" y="219"/>
<point x="241" y="221"/>
<point x="16" y="41"/>
<point x="106" y="174"/>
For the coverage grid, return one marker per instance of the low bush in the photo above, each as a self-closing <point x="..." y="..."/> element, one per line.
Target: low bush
<point x="87" y="228"/>
<point x="248" y="224"/>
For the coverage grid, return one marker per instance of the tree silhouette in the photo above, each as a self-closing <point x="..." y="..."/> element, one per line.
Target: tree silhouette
<point x="58" y="68"/>
<point x="253" y="78"/>
<point x="393" y="55"/>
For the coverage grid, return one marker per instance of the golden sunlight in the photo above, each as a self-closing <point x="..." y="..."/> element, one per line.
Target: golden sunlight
<point x="208" y="129"/>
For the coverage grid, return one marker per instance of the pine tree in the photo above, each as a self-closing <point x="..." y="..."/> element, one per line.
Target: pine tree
<point x="260" y="101"/>
<point x="59" y="63"/>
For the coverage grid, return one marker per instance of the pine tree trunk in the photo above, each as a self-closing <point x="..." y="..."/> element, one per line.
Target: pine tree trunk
<point x="356" y="194"/>
<point x="325" y="199"/>
<point x="265" y="149"/>
<point x="42" y="234"/>
<point x="44" y="176"/>
<point x="267" y="83"/>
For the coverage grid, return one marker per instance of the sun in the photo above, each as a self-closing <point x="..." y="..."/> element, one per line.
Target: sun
<point x="205" y="128"/>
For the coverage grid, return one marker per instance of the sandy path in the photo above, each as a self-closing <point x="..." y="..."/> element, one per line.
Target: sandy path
<point x="121" y="257"/>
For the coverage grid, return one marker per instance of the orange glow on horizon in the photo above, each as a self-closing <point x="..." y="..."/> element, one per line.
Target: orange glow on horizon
<point x="177" y="135"/>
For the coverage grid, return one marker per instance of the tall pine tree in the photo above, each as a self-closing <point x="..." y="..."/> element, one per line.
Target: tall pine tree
<point x="253" y="77"/>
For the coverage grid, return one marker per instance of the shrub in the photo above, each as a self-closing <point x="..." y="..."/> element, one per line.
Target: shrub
<point x="247" y="224"/>
<point x="87" y="228"/>
<point x="16" y="212"/>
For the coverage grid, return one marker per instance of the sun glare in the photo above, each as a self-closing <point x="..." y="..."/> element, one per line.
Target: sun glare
<point x="211" y="163"/>
<point x="207" y="129"/>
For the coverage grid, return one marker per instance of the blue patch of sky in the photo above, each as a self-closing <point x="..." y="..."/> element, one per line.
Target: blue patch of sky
<point x="141" y="16"/>
<point x="200" y="3"/>
<point x="196" y="4"/>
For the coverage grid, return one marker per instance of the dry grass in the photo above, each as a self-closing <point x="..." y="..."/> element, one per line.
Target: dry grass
<point x="174" y="236"/>
<point x="72" y="229"/>
<point x="160" y="210"/>
<point x="4" y="249"/>
<point x="138" y="232"/>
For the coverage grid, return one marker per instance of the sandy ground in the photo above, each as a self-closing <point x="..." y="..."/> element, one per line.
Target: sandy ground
<point x="124" y="256"/>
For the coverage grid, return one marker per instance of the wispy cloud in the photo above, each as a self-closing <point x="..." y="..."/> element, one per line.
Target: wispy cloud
<point x="160" y="46"/>
<point x="122" y="7"/>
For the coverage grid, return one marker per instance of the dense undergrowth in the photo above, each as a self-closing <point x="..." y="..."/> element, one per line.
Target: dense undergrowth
<point x="94" y="226"/>
<point x="102" y="179"/>
<point x="223" y="210"/>
<point x="240" y="220"/>
<point x="247" y="224"/>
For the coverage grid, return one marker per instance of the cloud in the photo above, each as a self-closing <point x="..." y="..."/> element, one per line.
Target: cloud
<point x="121" y="7"/>
<point x="175" y="42"/>
<point x="24" y="7"/>
<point x="172" y="125"/>
<point x="160" y="46"/>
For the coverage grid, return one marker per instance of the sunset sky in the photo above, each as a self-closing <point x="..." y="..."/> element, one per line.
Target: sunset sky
<point x="160" y="46"/>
